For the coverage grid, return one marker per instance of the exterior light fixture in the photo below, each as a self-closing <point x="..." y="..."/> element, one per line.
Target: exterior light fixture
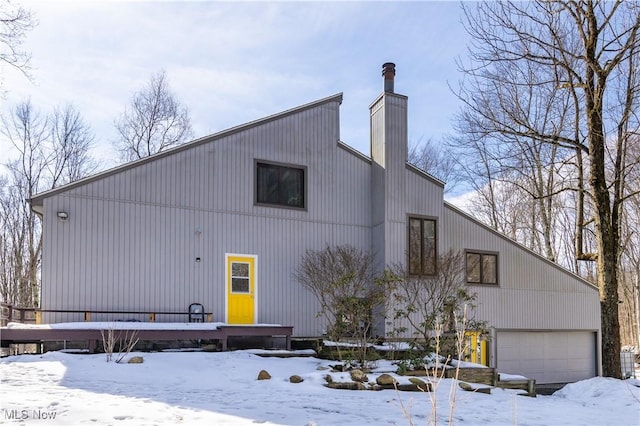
<point x="62" y="215"/>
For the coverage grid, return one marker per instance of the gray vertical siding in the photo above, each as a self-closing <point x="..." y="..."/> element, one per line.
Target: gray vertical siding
<point x="533" y="293"/>
<point x="131" y="239"/>
<point x="133" y="235"/>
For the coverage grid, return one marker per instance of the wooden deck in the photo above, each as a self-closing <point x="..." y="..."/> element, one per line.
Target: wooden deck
<point x="9" y="336"/>
<point x="154" y="331"/>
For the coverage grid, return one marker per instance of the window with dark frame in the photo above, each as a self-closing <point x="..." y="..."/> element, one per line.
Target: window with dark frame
<point x="482" y="268"/>
<point x="422" y="246"/>
<point x="279" y="185"/>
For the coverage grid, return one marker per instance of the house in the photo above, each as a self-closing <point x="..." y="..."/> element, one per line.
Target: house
<point x="223" y="221"/>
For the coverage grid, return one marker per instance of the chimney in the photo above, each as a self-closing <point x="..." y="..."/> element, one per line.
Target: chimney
<point x="388" y="72"/>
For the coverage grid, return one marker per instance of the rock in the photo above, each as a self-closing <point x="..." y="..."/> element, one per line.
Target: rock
<point x="469" y="388"/>
<point x="422" y="386"/>
<point x="210" y="348"/>
<point x="296" y="379"/>
<point x="135" y="360"/>
<point x="358" y="376"/>
<point x="409" y="387"/>
<point x="328" y="378"/>
<point x="386" y="380"/>
<point x="264" y="375"/>
<point x="322" y="368"/>
<point x="346" y="385"/>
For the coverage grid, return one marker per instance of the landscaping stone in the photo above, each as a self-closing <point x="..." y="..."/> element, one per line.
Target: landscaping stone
<point x="358" y="376"/>
<point x="296" y="379"/>
<point x="346" y="385"/>
<point x="135" y="360"/>
<point x="469" y="388"/>
<point x="264" y="375"/>
<point x="386" y="380"/>
<point x="423" y="386"/>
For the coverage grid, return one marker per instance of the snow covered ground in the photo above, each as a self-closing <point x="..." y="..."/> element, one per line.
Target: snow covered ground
<point x="221" y="389"/>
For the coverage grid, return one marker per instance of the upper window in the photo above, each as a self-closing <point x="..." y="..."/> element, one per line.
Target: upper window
<point x="280" y="185"/>
<point x="482" y="268"/>
<point x="422" y="246"/>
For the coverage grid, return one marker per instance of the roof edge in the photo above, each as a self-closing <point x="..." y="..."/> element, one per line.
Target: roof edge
<point x="37" y="199"/>
<point x="425" y="174"/>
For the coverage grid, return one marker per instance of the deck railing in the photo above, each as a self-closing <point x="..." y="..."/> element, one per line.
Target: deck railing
<point x="10" y="313"/>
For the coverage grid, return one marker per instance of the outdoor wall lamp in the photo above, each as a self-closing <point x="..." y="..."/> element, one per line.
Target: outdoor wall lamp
<point x="62" y="215"/>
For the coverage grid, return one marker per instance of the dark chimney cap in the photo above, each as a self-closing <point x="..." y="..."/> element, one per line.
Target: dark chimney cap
<point x="388" y="72"/>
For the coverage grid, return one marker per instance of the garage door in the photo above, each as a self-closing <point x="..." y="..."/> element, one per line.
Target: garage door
<point x="548" y="357"/>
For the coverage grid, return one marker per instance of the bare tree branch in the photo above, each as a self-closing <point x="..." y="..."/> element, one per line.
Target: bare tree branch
<point x="154" y="122"/>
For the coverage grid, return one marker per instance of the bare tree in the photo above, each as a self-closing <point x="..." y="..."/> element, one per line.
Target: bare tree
<point x="422" y="303"/>
<point x="15" y="21"/>
<point x="343" y="281"/>
<point x="28" y="131"/>
<point x="436" y="160"/>
<point x="584" y="57"/>
<point x="153" y="122"/>
<point x="71" y="143"/>
<point x="52" y="150"/>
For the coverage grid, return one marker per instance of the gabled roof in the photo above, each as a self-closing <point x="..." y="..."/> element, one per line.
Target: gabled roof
<point x="37" y="200"/>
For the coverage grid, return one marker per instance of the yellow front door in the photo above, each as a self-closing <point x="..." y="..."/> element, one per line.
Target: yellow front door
<point x="241" y="289"/>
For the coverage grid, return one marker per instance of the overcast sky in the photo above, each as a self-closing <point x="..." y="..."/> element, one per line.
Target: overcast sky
<point x="234" y="62"/>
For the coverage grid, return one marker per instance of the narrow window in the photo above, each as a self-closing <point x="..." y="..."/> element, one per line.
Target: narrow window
<point x="279" y="185"/>
<point x="482" y="268"/>
<point x="422" y="246"/>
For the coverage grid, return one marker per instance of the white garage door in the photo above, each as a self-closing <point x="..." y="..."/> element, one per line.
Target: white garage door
<point x="547" y="356"/>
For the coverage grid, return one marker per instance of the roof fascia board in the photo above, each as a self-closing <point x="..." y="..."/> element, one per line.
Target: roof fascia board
<point x="354" y="151"/>
<point x="425" y="175"/>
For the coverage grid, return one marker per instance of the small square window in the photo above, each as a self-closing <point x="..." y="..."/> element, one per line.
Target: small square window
<point x="279" y="185"/>
<point x="482" y="268"/>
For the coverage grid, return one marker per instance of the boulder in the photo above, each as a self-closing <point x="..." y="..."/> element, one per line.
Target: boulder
<point x="470" y="388"/>
<point x="346" y="385"/>
<point x="386" y="380"/>
<point x="264" y="375"/>
<point x="135" y="360"/>
<point x="296" y="379"/>
<point x="420" y="385"/>
<point x="358" y="376"/>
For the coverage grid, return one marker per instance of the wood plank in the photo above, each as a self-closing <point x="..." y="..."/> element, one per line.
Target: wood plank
<point x="35" y="335"/>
